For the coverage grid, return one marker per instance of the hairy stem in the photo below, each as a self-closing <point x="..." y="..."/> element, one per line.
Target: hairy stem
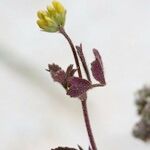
<point x="82" y="58"/>
<point x="84" y="105"/>
<point x="62" y="31"/>
<point x="88" y="126"/>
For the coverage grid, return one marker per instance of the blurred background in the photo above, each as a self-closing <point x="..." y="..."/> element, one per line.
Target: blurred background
<point x="35" y="113"/>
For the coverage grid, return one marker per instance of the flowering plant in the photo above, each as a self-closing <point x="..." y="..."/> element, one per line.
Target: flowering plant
<point x="53" y="20"/>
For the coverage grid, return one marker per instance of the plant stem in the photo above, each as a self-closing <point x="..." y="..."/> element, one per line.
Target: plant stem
<point x="82" y="58"/>
<point x="62" y="31"/>
<point x="84" y="104"/>
<point x="88" y="126"/>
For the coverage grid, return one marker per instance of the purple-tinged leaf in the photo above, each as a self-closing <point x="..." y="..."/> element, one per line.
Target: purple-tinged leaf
<point x="59" y="76"/>
<point x="78" y="86"/>
<point x="53" y="67"/>
<point x="63" y="148"/>
<point x="70" y="71"/>
<point x="57" y="73"/>
<point x="97" y="68"/>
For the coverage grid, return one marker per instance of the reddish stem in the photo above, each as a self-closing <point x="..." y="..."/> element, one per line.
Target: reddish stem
<point x="82" y="58"/>
<point x="84" y="105"/>
<point x="88" y="126"/>
<point x="62" y="31"/>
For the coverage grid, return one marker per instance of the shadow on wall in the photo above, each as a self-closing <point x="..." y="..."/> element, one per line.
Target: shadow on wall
<point x="28" y="72"/>
<point x="25" y="69"/>
<point x="32" y="74"/>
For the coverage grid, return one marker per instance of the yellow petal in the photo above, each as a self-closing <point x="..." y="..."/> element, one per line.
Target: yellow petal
<point x="41" y="14"/>
<point x="42" y="23"/>
<point x="50" y="10"/>
<point x="58" y="6"/>
<point x="50" y="22"/>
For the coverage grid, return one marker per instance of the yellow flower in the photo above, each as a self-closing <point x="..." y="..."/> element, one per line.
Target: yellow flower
<point x="53" y="18"/>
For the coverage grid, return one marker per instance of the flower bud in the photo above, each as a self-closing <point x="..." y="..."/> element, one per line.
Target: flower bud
<point x="53" y="18"/>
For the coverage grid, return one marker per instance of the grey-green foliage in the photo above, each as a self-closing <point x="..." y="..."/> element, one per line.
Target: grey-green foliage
<point x="142" y="128"/>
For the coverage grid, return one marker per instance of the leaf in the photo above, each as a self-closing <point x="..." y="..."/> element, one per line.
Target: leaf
<point x="59" y="76"/>
<point x="142" y="131"/>
<point x="70" y="71"/>
<point x="57" y="73"/>
<point x="78" y="86"/>
<point x="53" y="67"/>
<point x="97" y="68"/>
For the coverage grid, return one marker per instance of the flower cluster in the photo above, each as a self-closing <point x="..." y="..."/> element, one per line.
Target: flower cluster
<point x="142" y="128"/>
<point x="53" y="18"/>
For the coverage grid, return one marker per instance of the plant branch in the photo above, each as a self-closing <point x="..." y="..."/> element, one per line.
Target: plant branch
<point x="88" y="126"/>
<point x="82" y="58"/>
<point x="83" y="102"/>
<point x="62" y="31"/>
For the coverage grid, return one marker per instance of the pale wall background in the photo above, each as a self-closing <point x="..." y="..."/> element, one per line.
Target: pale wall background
<point x="35" y="114"/>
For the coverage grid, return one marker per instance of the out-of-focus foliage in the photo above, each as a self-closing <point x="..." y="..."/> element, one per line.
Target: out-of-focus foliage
<point x="142" y="128"/>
